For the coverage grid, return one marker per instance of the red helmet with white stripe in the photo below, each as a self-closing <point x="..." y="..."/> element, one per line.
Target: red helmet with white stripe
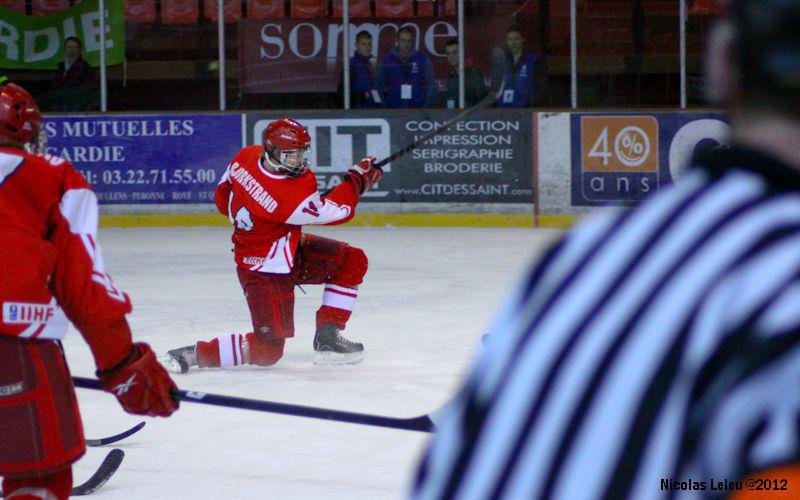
<point x="287" y="143"/>
<point x="20" y="120"/>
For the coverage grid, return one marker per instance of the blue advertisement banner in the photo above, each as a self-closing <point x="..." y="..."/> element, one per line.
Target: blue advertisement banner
<point x="617" y="159"/>
<point x="147" y="159"/>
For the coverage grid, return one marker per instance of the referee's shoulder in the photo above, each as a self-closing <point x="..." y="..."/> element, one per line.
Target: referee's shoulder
<point x="778" y="176"/>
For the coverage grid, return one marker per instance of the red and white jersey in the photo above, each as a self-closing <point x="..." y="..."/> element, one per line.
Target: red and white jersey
<point x="268" y="210"/>
<point x="51" y="267"/>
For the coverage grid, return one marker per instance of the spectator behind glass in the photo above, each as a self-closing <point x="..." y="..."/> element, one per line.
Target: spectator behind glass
<point x="75" y="86"/>
<point x="525" y="76"/>
<point x="363" y="93"/>
<point x="405" y="75"/>
<point x="474" y="85"/>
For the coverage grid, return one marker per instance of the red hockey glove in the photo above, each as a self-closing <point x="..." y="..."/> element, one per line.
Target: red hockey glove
<point x="141" y="384"/>
<point x="364" y="174"/>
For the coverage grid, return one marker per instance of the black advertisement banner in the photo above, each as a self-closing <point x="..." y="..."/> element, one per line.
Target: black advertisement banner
<point x="485" y="158"/>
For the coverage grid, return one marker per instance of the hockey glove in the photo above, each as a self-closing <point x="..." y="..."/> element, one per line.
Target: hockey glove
<point x="141" y="384"/>
<point x="364" y="174"/>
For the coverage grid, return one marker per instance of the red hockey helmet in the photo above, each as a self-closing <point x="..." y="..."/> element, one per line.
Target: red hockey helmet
<point x="287" y="143"/>
<point x="20" y="120"/>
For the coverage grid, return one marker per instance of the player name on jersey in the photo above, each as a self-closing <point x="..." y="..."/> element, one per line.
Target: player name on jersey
<point x="253" y="187"/>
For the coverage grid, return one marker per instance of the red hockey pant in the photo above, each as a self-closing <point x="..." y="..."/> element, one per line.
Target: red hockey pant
<point x="270" y="298"/>
<point x="40" y="428"/>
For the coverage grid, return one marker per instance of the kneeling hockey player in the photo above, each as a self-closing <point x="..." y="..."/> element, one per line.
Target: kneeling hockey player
<point x="269" y="193"/>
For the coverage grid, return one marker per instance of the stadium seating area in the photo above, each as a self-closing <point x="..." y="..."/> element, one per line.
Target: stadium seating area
<point x="175" y="40"/>
<point x="192" y="11"/>
<point x="189" y="11"/>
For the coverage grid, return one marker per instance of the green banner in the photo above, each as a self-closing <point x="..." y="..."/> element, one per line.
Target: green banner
<point x="37" y="42"/>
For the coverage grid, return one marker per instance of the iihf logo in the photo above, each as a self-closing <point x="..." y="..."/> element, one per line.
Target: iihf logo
<point x="27" y="312"/>
<point x="524" y="72"/>
<point x="414" y="67"/>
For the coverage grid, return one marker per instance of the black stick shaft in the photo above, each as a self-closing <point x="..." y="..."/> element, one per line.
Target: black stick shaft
<point x="421" y="423"/>
<point x="487" y="101"/>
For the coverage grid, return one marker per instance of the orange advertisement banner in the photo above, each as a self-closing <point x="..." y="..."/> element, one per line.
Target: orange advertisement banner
<point x="619" y="144"/>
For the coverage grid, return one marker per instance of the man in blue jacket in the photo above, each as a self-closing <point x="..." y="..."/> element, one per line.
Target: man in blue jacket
<point x="405" y="75"/>
<point x="525" y="78"/>
<point x="363" y="93"/>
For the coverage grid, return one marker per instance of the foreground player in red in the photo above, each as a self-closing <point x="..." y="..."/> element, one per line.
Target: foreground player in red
<point x="268" y="193"/>
<point x="51" y="272"/>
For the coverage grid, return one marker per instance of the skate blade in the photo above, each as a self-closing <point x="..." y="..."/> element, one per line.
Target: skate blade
<point x="173" y="365"/>
<point x="337" y="358"/>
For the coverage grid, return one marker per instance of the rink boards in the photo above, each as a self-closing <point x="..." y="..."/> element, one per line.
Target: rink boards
<point x="501" y="168"/>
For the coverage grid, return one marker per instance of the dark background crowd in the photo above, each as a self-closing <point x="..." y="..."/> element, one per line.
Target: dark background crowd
<point x="405" y="78"/>
<point x="627" y="50"/>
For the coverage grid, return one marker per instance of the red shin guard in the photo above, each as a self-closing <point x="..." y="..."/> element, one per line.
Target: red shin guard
<point x="264" y="351"/>
<point x="208" y="354"/>
<point x="254" y="349"/>
<point x="327" y="314"/>
<point x="338" y="306"/>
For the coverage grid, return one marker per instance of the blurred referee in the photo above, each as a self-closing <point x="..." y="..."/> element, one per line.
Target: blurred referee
<point x="655" y="352"/>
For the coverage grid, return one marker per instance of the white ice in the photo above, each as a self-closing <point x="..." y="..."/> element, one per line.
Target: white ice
<point x="427" y="298"/>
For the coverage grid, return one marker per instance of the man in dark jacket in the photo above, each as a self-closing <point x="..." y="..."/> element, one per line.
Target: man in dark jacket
<point x="363" y="93"/>
<point x="405" y="75"/>
<point x="525" y="79"/>
<point x="74" y="71"/>
<point x="474" y="85"/>
<point x="75" y="83"/>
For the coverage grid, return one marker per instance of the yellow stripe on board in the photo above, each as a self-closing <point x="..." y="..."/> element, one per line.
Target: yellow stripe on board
<point x="444" y="220"/>
<point x="368" y="219"/>
<point x="162" y="220"/>
<point x="558" y="221"/>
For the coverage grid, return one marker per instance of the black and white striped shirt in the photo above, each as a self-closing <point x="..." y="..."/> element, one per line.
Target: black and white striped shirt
<point x="660" y="343"/>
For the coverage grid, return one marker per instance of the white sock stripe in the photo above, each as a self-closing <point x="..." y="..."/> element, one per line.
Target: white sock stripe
<point x="230" y="350"/>
<point x="344" y="294"/>
<point x="234" y="341"/>
<point x="338" y="300"/>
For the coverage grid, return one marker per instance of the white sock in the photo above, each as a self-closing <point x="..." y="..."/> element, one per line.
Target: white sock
<point x="230" y="350"/>
<point x="339" y="297"/>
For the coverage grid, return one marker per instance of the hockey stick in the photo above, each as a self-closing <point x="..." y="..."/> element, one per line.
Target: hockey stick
<point x="107" y="468"/>
<point x="422" y="423"/>
<point x="490" y="98"/>
<point x="116" y="437"/>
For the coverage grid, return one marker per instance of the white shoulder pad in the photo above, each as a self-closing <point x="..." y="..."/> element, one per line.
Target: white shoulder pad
<point x="8" y="164"/>
<point x="79" y="207"/>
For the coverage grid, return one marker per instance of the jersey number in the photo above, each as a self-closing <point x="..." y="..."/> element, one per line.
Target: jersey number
<point x="243" y="220"/>
<point x="311" y="209"/>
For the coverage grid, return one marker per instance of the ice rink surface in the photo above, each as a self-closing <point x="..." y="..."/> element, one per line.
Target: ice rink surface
<point x="427" y="298"/>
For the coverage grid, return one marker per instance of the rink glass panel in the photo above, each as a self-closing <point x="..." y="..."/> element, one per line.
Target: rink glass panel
<point x="288" y="54"/>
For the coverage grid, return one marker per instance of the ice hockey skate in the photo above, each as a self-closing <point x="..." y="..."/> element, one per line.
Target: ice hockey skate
<point x="333" y="349"/>
<point x="181" y="359"/>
